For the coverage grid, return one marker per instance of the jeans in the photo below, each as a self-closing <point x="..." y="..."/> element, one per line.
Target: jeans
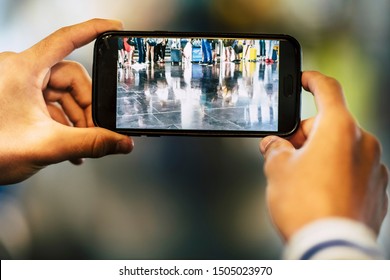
<point x="206" y="49"/>
<point x="141" y="50"/>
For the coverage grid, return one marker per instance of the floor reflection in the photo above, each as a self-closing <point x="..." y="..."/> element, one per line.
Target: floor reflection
<point x="222" y="96"/>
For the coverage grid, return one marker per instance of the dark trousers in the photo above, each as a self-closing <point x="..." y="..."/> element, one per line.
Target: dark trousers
<point x="141" y="50"/>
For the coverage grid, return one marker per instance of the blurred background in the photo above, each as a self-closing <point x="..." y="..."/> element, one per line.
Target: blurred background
<point x="187" y="198"/>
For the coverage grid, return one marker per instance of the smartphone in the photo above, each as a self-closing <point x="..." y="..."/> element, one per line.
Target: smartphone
<point x="200" y="84"/>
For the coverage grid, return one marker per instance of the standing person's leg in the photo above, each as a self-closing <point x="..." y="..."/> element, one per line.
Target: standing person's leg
<point x="152" y="60"/>
<point x="214" y="46"/>
<point x="121" y="53"/>
<point x="147" y="57"/>
<point x="262" y="49"/>
<point x="204" y="51"/>
<point x="209" y="55"/>
<point x="157" y="53"/>
<point x="269" y="49"/>
<point x="229" y="52"/>
<point x="140" y="47"/>
<point x="163" y="48"/>
<point x="132" y="49"/>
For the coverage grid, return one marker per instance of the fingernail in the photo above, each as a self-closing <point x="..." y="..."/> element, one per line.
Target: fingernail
<point x="124" y="146"/>
<point x="265" y="142"/>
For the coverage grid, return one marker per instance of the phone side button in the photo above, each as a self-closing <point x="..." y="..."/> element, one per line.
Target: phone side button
<point x="288" y="86"/>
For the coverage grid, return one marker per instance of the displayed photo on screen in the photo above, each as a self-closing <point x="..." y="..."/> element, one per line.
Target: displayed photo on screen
<point x="197" y="83"/>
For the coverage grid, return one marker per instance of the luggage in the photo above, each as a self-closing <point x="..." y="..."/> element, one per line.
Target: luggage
<point x="252" y="55"/>
<point x="175" y="56"/>
<point x="197" y="72"/>
<point x="196" y="43"/>
<point x="275" y="54"/>
<point x="196" y="54"/>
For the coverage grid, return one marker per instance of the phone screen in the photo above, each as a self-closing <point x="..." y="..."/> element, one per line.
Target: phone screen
<point x="197" y="84"/>
<point x="169" y="83"/>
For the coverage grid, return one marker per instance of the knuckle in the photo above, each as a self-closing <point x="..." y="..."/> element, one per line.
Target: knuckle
<point x="8" y="61"/>
<point x="79" y="69"/>
<point x="75" y="65"/>
<point x="334" y="83"/>
<point x="101" y="144"/>
<point x="79" y="121"/>
<point x="373" y="145"/>
<point x="98" y="146"/>
<point x="348" y="126"/>
<point x="4" y="56"/>
<point x="71" y="65"/>
<point x="331" y="82"/>
<point x="385" y="175"/>
<point x="385" y="205"/>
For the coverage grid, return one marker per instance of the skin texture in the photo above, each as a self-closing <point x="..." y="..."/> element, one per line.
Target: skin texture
<point x="329" y="167"/>
<point x="45" y="102"/>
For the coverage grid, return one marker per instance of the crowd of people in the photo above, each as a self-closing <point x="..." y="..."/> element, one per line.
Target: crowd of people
<point x="197" y="50"/>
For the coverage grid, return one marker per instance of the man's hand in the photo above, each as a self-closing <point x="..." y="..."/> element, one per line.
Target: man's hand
<point x="329" y="168"/>
<point x="45" y="106"/>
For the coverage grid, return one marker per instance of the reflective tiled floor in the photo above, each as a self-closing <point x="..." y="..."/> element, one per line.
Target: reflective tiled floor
<point x="223" y="96"/>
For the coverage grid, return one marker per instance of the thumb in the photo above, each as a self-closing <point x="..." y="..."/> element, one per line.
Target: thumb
<point x="274" y="145"/>
<point x="61" y="43"/>
<point x="75" y="143"/>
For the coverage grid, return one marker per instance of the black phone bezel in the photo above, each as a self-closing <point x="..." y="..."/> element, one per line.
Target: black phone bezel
<point x="104" y="84"/>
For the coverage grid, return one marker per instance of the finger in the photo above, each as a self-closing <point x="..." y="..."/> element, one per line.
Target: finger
<point x="273" y="145"/>
<point x="57" y="114"/>
<point x="372" y="145"/>
<point x="88" y="116"/>
<point x="327" y="91"/>
<point x="61" y="43"/>
<point x="77" y="161"/>
<point x="75" y="143"/>
<point x="384" y="175"/>
<point x="69" y="106"/>
<point x="300" y="136"/>
<point x="70" y="76"/>
<point x="276" y="152"/>
<point x="333" y="122"/>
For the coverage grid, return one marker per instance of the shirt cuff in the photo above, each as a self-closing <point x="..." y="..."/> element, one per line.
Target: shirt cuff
<point x="333" y="238"/>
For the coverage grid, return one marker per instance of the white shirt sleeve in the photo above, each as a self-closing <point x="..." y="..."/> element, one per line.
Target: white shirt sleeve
<point x="333" y="238"/>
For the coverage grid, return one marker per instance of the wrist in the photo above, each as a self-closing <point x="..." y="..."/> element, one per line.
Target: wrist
<point x="333" y="238"/>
